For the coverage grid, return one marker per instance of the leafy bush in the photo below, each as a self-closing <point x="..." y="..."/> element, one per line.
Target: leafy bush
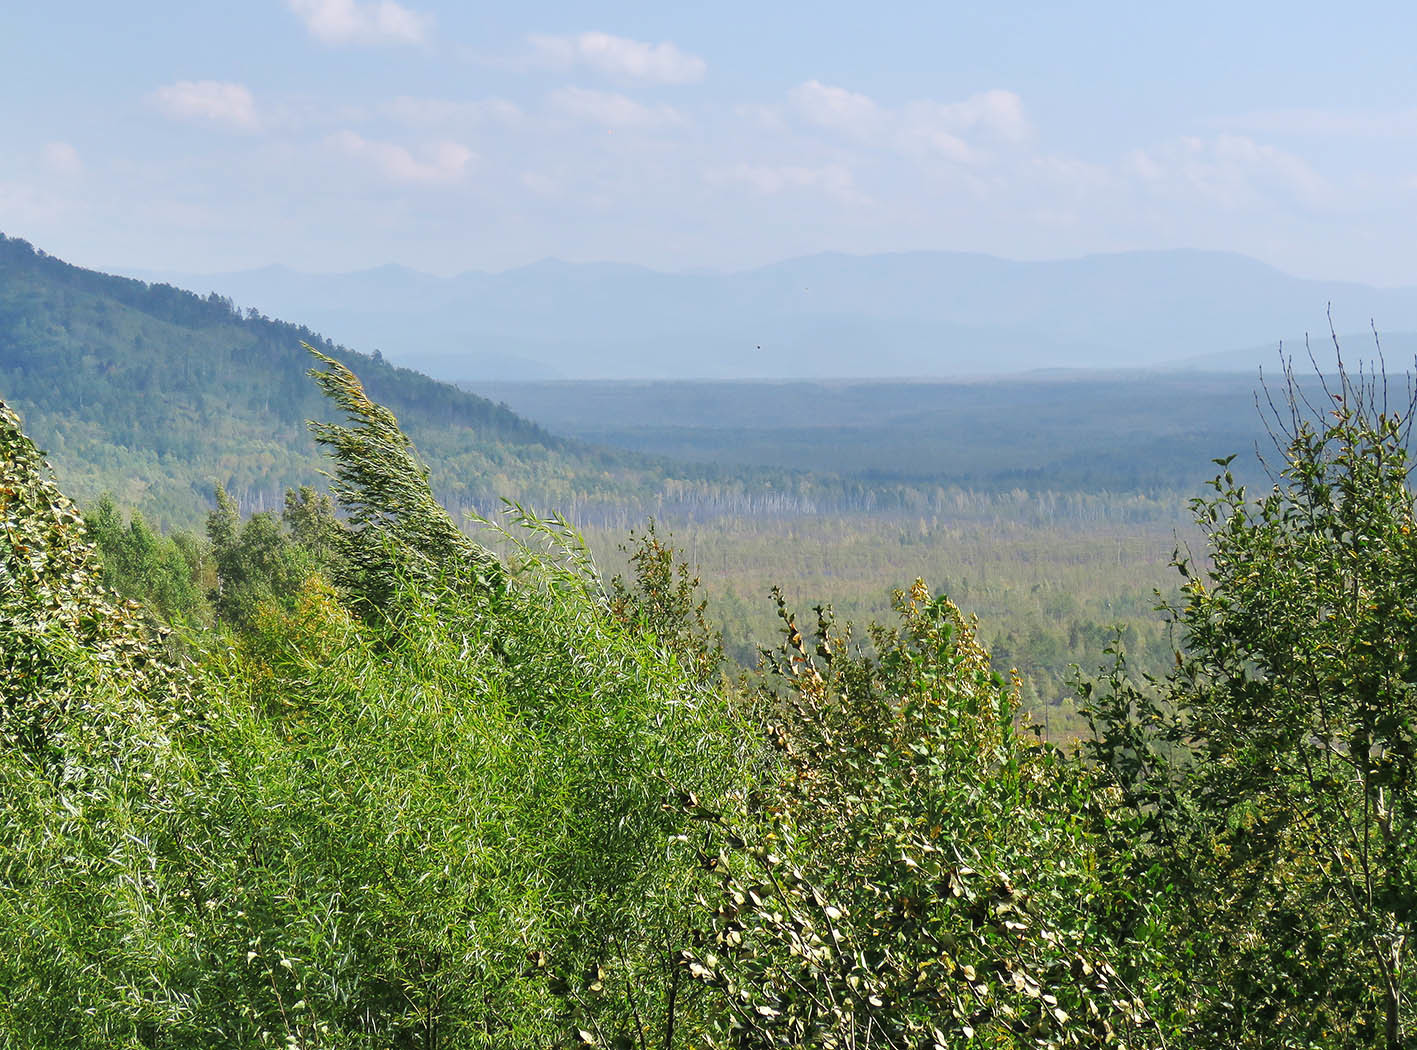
<point x="664" y="598"/>
<point x="926" y="874"/>
<point x="1272" y="778"/>
<point x="90" y="698"/>
<point x="166" y="573"/>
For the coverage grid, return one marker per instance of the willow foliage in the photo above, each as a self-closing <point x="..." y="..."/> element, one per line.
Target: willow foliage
<point x="396" y="528"/>
<point x="377" y="800"/>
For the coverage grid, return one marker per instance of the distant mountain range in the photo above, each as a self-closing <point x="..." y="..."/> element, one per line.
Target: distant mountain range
<point x="918" y="314"/>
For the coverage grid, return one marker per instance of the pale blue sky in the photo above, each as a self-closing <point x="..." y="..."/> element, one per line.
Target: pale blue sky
<point x="338" y="134"/>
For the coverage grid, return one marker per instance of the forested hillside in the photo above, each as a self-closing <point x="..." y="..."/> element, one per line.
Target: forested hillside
<point x="159" y="396"/>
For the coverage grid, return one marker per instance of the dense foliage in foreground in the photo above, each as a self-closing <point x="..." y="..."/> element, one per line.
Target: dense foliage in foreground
<point x="406" y="793"/>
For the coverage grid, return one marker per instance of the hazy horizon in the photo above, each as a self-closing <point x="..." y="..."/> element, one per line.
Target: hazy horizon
<point x="339" y="135"/>
<point x="701" y="271"/>
<point x="829" y="315"/>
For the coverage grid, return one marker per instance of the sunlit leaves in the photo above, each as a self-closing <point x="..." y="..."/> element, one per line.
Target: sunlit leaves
<point x="1273" y="777"/>
<point x="922" y="870"/>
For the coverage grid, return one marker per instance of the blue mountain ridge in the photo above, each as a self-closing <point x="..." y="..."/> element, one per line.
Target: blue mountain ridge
<point x="908" y="314"/>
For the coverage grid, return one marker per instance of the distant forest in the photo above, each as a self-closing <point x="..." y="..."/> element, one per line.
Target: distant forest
<point x="1137" y="431"/>
<point x="159" y="396"/>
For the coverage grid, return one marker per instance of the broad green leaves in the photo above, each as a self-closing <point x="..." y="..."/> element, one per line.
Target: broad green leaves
<point x="920" y="875"/>
<point x="1273" y="777"/>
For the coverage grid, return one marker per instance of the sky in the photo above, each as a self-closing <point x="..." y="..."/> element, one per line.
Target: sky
<point x="332" y="135"/>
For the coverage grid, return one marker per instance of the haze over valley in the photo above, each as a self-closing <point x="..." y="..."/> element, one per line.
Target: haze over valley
<point x="917" y="314"/>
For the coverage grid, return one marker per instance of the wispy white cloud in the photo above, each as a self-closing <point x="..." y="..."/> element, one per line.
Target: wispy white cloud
<point x="994" y="114"/>
<point x="1230" y="170"/>
<point x="618" y="56"/>
<point x="425" y="112"/>
<point x="946" y="129"/>
<point x="612" y="110"/>
<point x="62" y="159"/>
<point x="1072" y="174"/>
<point x="836" y="108"/>
<point x="761" y="115"/>
<point x="833" y="180"/>
<point x="440" y="163"/>
<point x="215" y="101"/>
<point x="372" y="22"/>
<point x="925" y="138"/>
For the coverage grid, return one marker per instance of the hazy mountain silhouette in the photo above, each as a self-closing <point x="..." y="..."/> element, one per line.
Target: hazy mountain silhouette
<point x="831" y="315"/>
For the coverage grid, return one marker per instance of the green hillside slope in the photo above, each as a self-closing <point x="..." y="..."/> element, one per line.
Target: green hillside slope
<point x="158" y="395"/>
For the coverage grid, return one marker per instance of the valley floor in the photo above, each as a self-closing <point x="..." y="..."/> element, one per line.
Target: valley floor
<point x="1047" y="596"/>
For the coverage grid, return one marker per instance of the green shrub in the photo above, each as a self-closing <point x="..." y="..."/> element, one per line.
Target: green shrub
<point x="1272" y="778"/>
<point x="921" y="875"/>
